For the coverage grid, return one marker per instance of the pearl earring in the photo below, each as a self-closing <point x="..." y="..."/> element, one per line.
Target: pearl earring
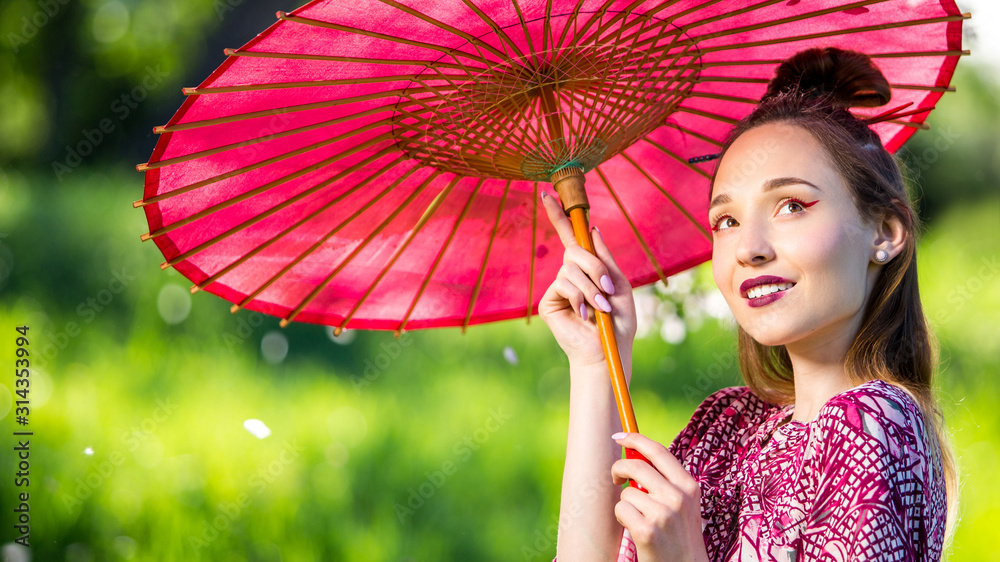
<point x="881" y="256"/>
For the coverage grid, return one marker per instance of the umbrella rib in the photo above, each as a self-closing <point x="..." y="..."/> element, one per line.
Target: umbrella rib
<point x="693" y="133"/>
<point x="676" y="203"/>
<point x="229" y="202"/>
<point x="534" y="230"/>
<point x="282" y="205"/>
<point x="723" y="97"/>
<point x="761" y="25"/>
<point x="832" y="33"/>
<point x="486" y="257"/>
<point x="198" y="91"/>
<point x="326" y="206"/>
<point x="639" y="93"/>
<point x="573" y="19"/>
<point x="385" y="269"/>
<point x="496" y="29"/>
<point x="440" y="254"/>
<point x="359" y="60"/>
<point x="376" y="35"/>
<point x="713" y="64"/>
<point x="524" y="28"/>
<point x="708" y="114"/>
<point x="445" y="27"/>
<point x="303" y="255"/>
<point x="277" y="111"/>
<point x="250" y="142"/>
<point x="683" y="161"/>
<point x="635" y="230"/>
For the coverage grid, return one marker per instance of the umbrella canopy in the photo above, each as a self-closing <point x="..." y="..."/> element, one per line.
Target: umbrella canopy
<point x="377" y="164"/>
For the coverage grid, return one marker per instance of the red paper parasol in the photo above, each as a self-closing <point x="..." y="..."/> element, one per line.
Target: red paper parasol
<point x="377" y="165"/>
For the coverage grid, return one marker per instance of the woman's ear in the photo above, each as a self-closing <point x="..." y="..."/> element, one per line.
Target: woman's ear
<point x="890" y="235"/>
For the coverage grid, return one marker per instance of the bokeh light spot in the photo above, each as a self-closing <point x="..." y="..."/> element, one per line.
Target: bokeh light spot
<point x="174" y="303"/>
<point x="274" y="347"/>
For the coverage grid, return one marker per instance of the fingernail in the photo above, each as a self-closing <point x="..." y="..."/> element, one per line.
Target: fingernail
<point x="544" y="195"/>
<point x="598" y="232"/>
<point x="619" y="435"/>
<point x="609" y="287"/>
<point x="583" y="310"/>
<point x="603" y="303"/>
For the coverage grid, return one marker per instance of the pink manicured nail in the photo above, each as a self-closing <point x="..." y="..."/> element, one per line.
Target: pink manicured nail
<point x="609" y="287"/>
<point x="619" y="435"/>
<point x="583" y="310"/>
<point x="603" y="303"/>
<point x="544" y="195"/>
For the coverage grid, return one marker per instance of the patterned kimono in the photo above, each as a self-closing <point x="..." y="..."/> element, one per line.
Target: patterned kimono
<point x="862" y="481"/>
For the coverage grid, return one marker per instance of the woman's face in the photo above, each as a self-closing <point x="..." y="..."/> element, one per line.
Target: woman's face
<point x="781" y="210"/>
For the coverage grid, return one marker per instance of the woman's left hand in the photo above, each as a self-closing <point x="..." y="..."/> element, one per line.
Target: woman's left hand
<point x="665" y="523"/>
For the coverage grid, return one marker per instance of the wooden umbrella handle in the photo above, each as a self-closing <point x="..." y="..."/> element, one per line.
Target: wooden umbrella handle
<point x="569" y="185"/>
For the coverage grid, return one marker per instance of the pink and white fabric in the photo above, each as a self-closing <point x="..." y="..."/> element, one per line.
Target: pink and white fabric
<point x="859" y="482"/>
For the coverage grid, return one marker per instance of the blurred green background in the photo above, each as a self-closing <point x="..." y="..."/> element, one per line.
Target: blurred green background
<point x="434" y="446"/>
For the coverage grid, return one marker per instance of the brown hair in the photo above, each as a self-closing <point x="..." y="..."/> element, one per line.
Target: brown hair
<point x="814" y="89"/>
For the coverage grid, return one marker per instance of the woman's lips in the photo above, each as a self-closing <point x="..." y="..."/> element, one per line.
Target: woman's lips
<point x="767" y="299"/>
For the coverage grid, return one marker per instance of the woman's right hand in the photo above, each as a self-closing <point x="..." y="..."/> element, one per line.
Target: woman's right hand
<point x="582" y="281"/>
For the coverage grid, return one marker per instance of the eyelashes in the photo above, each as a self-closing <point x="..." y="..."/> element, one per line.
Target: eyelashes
<point x="716" y="221"/>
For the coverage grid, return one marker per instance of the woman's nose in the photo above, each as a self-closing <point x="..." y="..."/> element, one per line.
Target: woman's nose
<point x="753" y="247"/>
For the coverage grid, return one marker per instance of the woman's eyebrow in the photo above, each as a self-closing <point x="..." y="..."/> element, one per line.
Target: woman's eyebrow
<point x="769" y="185"/>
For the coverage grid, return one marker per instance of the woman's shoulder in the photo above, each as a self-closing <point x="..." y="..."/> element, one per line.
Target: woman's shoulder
<point x="876" y="416"/>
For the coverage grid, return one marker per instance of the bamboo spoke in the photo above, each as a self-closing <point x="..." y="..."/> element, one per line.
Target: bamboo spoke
<point x="298" y="259"/>
<point x="656" y="184"/>
<point x="385" y="269"/>
<point x="501" y="35"/>
<point x="478" y="43"/>
<point x="282" y="205"/>
<point x="360" y="60"/>
<point x="534" y="233"/>
<point x="284" y="179"/>
<point x="306" y="84"/>
<point x="437" y="259"/>
<point x="683" y="161"/>
<point x="266" y="138"/>
<point x="693" y="133"/>
<point x="486" y="258"/>
<point x="376" y="35"/>
<point x="280" y="110"/>
<point x="833" y="33"/>
<point x="635" y="229"/>
<point x="215" y="276"/>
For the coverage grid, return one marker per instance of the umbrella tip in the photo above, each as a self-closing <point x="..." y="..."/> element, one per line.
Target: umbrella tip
<point x="281" y="15"/>
<point x="142" y="167"/>
<point x="159" y="129"/>
<point x="145" y="236"/>
<point x="396" y="333"/>
<point x="234" y="309"/>
<point x="284" y="322"/>
<point x="165" y="265"/>
<point x="337" y="331"/>
<point x="229" y="52"/>
<point x="195" y="289"/>
<point x="137" y="204"/>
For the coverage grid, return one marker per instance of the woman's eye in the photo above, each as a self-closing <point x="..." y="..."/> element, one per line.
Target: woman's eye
<point x="794" y="206"/>
<point x="724" y="223"/>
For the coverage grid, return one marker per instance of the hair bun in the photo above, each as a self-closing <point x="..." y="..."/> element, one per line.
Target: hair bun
<point x="842" y="78"/>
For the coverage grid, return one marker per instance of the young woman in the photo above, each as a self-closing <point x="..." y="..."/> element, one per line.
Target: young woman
<point x="834" y="449"/>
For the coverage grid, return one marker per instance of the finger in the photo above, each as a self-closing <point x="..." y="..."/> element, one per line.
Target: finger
<point x="585" y="284"/>
<point x="618" y="278"/>
<point x="664" y="462"/>
<point x="641" y="472"/>
<point x="592" y="265"/>
<point x="669" y="499"/>
<point x="632" y="519"/>
<point x="565" y="289"/>
<point x="559" y="220"/>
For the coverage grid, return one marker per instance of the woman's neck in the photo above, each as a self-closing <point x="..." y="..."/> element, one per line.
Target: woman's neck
<point x="819" y="374"/>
